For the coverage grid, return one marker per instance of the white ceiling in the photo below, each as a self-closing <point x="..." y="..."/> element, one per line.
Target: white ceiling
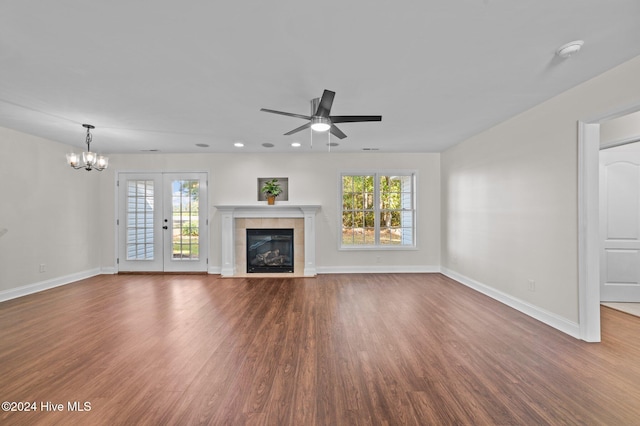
<point x="166" y="75"/>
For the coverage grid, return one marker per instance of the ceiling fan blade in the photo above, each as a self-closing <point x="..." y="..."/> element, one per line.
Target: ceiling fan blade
<point x="337" y="132"/>
<point x="324" y="108"/>
<point x="288" y="114"/>
<point x="296" y="130"/>
<point x="354" y="118"/>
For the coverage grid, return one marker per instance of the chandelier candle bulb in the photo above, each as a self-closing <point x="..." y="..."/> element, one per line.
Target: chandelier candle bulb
<point x="89" y="158"/>
<point x="103" y="162"/>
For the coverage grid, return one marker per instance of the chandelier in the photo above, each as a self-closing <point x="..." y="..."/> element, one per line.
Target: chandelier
<point x="90" y="160"/>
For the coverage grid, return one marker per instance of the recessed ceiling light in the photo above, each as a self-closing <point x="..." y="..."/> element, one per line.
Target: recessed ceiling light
<point x="268" y="145"/>
<point x="296" y="144"/>
<point x="203" y="145"/>
<point x="569" y="49"/>
<point x="238" y="144"/>
<point x="370" y="149"/>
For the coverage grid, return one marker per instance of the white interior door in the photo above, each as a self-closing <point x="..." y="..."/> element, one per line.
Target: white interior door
<point x="162" y="222"/>
<point x="619" y="226"/>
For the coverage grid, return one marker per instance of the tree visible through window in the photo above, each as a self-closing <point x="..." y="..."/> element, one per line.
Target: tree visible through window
<point x="378" y="210"/>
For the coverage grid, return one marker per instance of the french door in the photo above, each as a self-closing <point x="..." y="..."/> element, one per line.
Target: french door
<point x="162" y="222"/>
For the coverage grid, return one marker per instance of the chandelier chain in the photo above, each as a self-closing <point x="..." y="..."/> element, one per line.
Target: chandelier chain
<point x="89" y="138"/>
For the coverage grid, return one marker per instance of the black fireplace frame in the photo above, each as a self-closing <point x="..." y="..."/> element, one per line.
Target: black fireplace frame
<point x="276" y="234"/>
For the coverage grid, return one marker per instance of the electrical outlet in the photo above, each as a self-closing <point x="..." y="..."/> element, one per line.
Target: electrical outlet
<point x="532" y="285"/>
<point x="43" y="267"/>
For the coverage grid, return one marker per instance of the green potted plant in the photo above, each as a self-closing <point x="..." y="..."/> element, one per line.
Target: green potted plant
<point x="271" y="189"/>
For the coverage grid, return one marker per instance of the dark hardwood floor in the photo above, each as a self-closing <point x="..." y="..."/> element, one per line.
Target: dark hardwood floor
<point x="352" y="349"/>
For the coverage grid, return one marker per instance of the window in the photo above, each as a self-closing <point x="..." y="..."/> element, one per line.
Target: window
<point x="140" y="238"/>
<point x="378" y="210"/>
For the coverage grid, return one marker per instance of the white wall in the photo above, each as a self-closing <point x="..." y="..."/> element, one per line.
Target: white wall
<point x="510" y="197"/>
<point x="50" y="213"/>
<point x="313" y="179"/>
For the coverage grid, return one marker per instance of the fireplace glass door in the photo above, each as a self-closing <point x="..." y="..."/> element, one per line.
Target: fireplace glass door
<point x="269" y="250"/>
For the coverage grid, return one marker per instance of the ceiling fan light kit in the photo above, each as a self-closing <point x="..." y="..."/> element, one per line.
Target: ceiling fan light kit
<point x="320" y="124"/>
<point x="321" y="119"/>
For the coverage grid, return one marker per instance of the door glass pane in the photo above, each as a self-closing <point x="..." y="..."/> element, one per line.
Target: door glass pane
<point x="185" y="219"/>
<point x="139" y="220"/>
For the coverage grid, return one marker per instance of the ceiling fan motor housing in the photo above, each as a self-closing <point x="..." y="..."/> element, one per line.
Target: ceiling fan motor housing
<point x="315" y="102"/>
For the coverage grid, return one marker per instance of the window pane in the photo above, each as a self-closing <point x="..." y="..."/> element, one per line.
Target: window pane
<point x="185" y="219"/>
<point x="369" y="200"/>
<point x="358" y="201"/>
<point x="139" y="220"/>
<point x="368" y="182"/>
<point x="358" y="220"/>
<point x="347" y="184"/>
<point x="369" y="220"/>
<point x="347" y="220"/>
<point x="390" y="236"/>
<point x="347" y="236"/>
<point x="395" y="218"/>
<point x="347" y="201"/>
<point x="369" y="236"/>
<point x="358" y="183"/>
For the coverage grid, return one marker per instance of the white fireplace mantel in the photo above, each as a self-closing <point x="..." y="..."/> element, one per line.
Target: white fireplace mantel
<point x="229" y="213"/>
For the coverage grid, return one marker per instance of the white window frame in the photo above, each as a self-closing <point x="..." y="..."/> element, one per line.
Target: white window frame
<point x="376" y="173"/>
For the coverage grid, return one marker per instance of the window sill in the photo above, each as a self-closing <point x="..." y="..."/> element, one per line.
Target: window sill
<point x="377" y="248"/>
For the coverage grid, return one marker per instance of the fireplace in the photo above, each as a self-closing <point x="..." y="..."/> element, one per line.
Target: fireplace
<point x="236" y="219"/>
<point x="269" y="250"/>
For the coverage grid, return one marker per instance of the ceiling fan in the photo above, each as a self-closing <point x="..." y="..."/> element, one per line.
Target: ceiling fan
<point x="320" y="119"/>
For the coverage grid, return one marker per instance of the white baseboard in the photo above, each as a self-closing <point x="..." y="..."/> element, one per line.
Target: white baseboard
<point x="386" y="269"/>
<point x="47" y="284"/>
<point x="214" y="270"/>
<point x="562" y="324"/>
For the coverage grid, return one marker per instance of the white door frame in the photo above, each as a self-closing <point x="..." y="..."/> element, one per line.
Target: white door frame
<point x="589" y="222"/>
<point x="204" y="241"/>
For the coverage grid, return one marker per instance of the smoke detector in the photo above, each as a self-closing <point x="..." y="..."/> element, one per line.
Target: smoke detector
<point x="569" y="49"/>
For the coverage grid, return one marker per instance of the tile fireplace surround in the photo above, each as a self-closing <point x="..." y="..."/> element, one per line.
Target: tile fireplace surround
<point x="257" y="216"/>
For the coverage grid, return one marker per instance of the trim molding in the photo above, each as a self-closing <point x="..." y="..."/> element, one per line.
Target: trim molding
<point x="47" y="284"/>
<point x="542" y="315"/>
<point x="589" y="231"/>
<point x="619" y="142"/>
<point x="377" y="269"/>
